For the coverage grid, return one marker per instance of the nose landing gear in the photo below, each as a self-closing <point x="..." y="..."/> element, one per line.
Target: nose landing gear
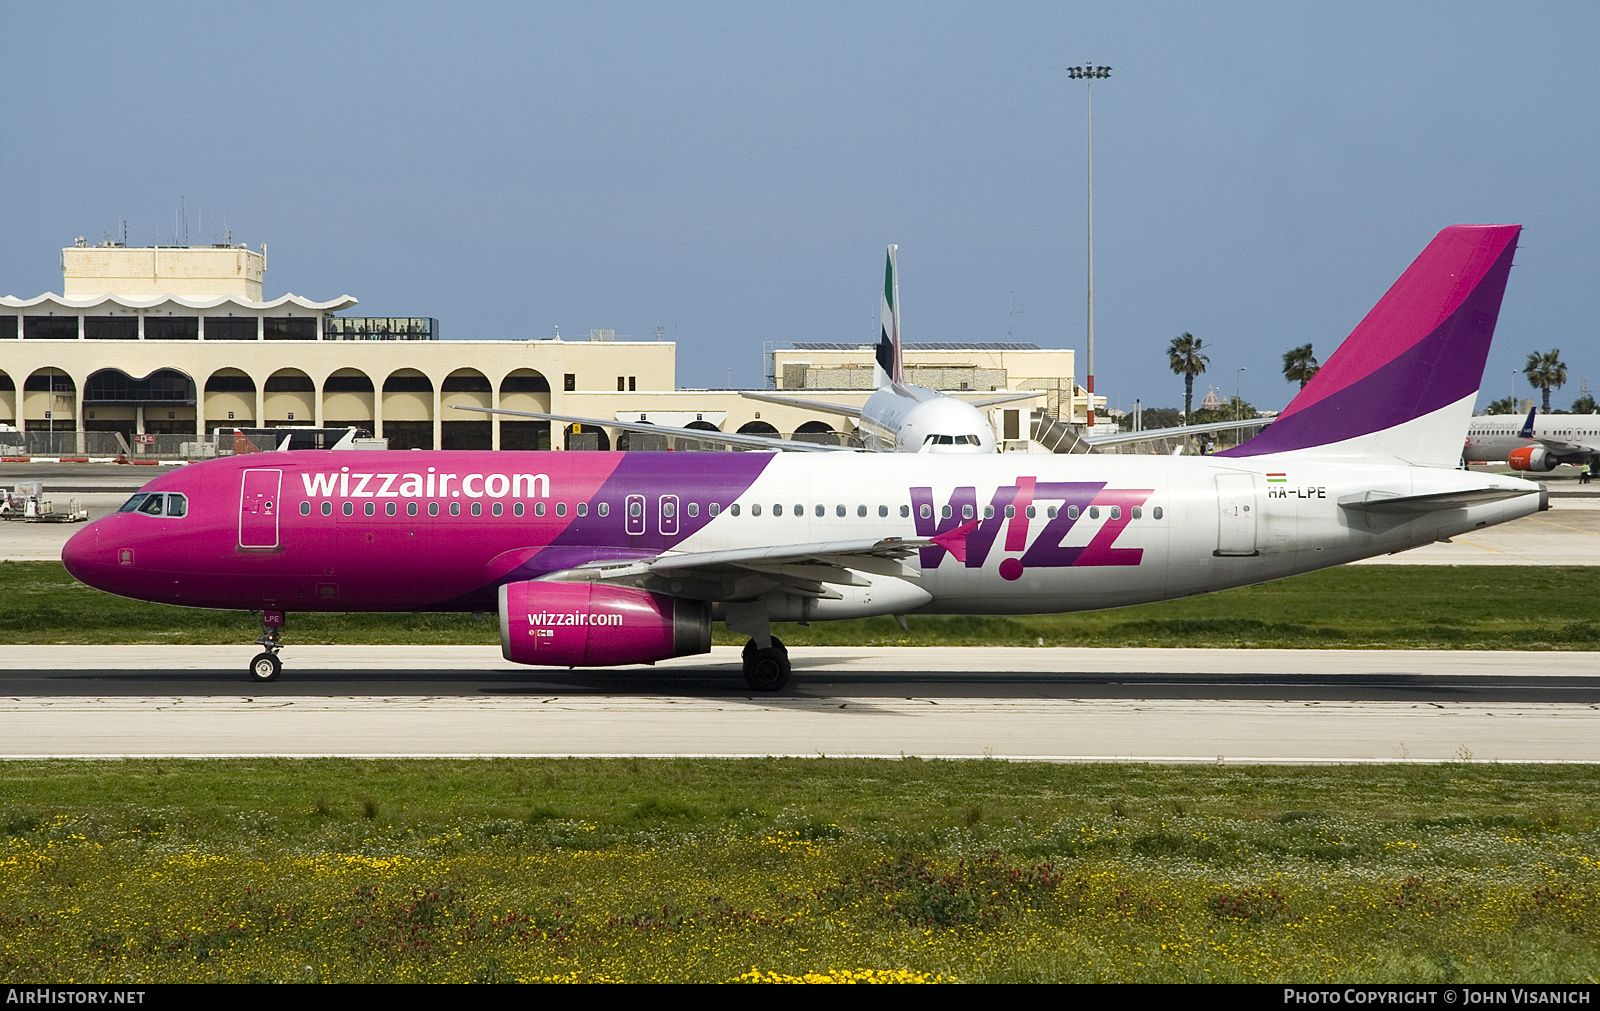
<point x="266" y="666"/>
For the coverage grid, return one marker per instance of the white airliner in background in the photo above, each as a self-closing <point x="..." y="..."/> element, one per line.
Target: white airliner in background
<point x="899" y="417"/>
<point x="1535" y="444"/>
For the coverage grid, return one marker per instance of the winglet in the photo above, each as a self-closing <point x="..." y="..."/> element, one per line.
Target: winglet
<point x="1527" y="426"/>
<point x="888" y="371"/>
<point x="955" y="541"/>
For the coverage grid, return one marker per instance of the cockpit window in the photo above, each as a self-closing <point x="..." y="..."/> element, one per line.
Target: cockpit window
<point x="157" y="504"/>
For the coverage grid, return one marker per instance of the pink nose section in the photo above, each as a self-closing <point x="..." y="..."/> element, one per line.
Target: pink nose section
<point x="78" y="555"/>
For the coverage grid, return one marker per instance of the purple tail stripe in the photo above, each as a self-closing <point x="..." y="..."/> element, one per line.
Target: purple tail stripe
<point x="1421" y="348"/>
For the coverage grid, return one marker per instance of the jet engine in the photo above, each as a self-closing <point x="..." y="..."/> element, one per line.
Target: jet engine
<point x="1532" y="458"/>
<point x="594" y="625"/>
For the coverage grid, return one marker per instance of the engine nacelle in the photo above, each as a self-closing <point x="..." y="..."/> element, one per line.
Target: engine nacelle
<point x="1531" y="458"/>
<point x="593" y="625"/>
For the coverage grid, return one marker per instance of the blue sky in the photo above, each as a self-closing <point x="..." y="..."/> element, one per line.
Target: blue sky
<point x="732" y="172"/>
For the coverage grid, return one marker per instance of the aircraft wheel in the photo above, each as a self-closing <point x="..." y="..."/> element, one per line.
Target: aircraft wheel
<point x="766" y="670"/>
<point x="265" y="667"/>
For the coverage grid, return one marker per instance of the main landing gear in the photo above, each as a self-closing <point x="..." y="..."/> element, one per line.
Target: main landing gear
<point x="766" y="670"/>
<point x="266" y="666"/>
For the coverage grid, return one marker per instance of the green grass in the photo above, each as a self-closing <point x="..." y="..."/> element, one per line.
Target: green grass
<point x="1401" y="606"/>
<point x="501" y="870"/>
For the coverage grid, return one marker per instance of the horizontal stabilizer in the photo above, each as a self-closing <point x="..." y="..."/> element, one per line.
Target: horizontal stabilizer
<point x="1378" y="502"/>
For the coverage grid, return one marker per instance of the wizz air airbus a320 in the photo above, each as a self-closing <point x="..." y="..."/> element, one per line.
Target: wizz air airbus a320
<point x="599" y="559"/>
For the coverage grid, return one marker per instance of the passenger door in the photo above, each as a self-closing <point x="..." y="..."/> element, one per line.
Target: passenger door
<point x="258" y="509"/>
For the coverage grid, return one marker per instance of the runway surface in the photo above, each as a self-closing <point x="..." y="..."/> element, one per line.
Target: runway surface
<point x="1038" y="704"/>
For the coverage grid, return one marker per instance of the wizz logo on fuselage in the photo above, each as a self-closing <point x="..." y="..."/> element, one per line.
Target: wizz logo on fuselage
<point x="1071" y="502"/>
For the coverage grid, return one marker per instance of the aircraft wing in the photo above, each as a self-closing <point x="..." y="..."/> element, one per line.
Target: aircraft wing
<point x="744" y="573"/>
<point x="989" y="401"/>
<point x="814" y="405"/>
<point x="1177" y="432"/>
<point x="747" y="441"/>
<point x="1561" y="447"/>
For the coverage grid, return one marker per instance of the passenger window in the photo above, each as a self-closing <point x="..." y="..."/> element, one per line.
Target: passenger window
<point x="1094" y="512"/>
<point x="516" y="509"/>
<point x="327" y="508"/>
<point x="1051" y="512"/>
<point x="433" y="508"/>
<point x="1072" y="512"/>
<point x="369" y="509"/>
<point x="561" y="508"/>
<point x="734" y="508"/>
<point x="538" y="508"/>
<point x="755" y="509"/>
<point x="1155" y="513"/>
<point x="1116" y="512"/>
<point x="712" y="508"/>
<point x="411" y="508"/>
<point x="455" y="509"/>
<point x="1030" y="512"/>
<point x="477" y="508"/>
<point x="604" y="508"/>
<point x="966" y="512"/>
<point x="152" y="505"/>
<point x="988" y="512"/>
<point x="1137" y="512"/>
<point x="583" y="509"/>
<point x="305" y="508"/>
<point x="861" y="510"/>
<point x="389" y="509"/>
<point x="1011" y="512"/>
<point x="668" y="510"/>
<point x="635" y="509"/>
<point x="498" y="509"/>
<point x="905" y="511"/>
<point x="349" y="508"/>
<point x="777" y="510"/>
<point x="177" y="505"/>
<point x="693" y="509"/>
<point x="944" y="513"/>
<point x="800" y="510"/>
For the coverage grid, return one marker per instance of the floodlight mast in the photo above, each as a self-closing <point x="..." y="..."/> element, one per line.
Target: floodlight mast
<point x="1088" y="73"/>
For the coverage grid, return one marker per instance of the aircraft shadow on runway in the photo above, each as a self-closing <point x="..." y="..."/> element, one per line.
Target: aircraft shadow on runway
<point x="724" y="681"/>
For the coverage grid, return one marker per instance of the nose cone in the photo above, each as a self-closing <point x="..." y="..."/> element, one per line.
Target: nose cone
<point x="80" y="553"/>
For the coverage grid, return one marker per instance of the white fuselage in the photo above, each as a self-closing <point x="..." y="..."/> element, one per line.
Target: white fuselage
<point x="914" y="419"/>
<point x="1104" y="531"/>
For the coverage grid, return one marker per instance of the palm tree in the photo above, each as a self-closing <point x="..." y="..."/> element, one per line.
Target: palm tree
<point x="1544" y="371"/>
<point x="1183" y="354"/>
<point x="1299" y="365"/>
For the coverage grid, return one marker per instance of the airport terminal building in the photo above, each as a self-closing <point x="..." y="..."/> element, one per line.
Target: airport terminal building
<point x="174" y="343"/>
